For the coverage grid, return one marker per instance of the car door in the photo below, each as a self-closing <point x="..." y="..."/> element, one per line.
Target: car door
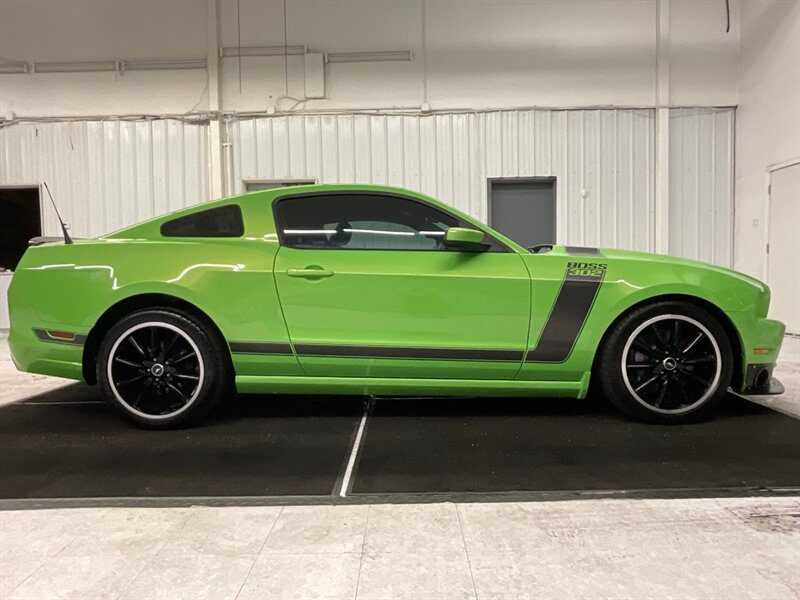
<point x="369" y="289"/>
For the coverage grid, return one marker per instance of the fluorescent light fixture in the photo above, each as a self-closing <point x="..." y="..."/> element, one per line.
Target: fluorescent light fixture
<point x="75" y="67"/>
<point x="349" y="57"/>
<point x="261" y="51"/>
<point x="97" y="66"/>
<point x="13" y="68"/>
<point x="170" y="64"/>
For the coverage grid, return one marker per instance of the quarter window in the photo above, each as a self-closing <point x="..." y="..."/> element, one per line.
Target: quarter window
<point x="223" y="221"/>
<point x="362" y="222"/>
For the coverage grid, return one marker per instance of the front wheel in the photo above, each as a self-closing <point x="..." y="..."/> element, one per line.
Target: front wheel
<point x="669" y="362"/>
<point x="161" y="368"/>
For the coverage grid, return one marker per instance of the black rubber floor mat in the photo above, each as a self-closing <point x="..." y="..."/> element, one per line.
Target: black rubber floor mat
<point x="67" y="444"/>
<point x="513" y="445"/>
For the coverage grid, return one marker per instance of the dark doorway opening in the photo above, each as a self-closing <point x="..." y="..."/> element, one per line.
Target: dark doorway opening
<point x="20" y="220"/>
<point x="524" y="209"/>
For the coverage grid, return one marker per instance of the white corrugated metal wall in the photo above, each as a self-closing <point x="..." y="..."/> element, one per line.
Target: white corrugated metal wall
<point x="701" y="208"/>
<point x="108" y="174"/>
<point x="603" y="160"/>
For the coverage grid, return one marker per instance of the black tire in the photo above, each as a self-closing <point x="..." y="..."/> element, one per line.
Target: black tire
<point x="162" y="368"/>
<point x="669" y="362"/>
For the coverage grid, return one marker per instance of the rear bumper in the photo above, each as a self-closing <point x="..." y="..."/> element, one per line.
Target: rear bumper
<point x="31" y="354"/>
<point x="39" y="345"/>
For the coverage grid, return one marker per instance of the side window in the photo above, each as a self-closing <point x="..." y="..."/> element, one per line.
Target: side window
<point x="362" y="222"/>
<point x="224" y="221"/>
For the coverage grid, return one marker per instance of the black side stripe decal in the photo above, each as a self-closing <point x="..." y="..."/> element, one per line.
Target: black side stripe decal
<point x="376" y="351"/>
<point x="572" y="306"/>
<point x="260" y="348"/>
<point x="399" y="352"/>
<point x="581" y="251"/>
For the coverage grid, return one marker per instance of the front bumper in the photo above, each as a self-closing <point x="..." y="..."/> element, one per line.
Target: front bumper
<point x="761" y="340"/>
<point x="758" y="380"/>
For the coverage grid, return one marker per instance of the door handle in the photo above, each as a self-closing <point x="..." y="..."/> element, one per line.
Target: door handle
<point x="309" y="273"/>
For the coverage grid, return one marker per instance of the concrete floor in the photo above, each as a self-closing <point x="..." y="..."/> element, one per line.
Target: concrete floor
<point x="709" y="548"/>
<point x="716" y="548"/>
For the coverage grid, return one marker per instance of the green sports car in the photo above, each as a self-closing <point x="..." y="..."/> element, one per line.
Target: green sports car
<point x="357" y="289"/>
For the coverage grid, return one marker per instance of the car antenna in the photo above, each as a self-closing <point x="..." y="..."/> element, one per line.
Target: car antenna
<point x="67" y="239"/>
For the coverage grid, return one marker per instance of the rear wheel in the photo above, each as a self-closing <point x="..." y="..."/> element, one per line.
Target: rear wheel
<point x="162" y="368"/>
<point x="669" y="362"/>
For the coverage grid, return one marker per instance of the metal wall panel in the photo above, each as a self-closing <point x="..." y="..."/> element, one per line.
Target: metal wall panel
<point x="108" y="174"/>
<point x="105" y="175"/>
<point x="701" y="184"/>
<point x="603" y="160"/>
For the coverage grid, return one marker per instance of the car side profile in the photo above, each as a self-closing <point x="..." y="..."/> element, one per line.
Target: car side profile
<point x="360" y="289"/>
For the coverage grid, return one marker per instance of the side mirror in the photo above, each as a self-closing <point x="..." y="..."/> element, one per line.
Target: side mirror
<point x="463" y="238"/>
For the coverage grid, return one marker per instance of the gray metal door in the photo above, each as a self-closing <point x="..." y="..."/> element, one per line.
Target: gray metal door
<point x="524" y="209"/>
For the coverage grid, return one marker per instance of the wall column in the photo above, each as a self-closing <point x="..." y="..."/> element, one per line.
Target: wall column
<point x="662" y="102"/>
<point x="216" y="178"/>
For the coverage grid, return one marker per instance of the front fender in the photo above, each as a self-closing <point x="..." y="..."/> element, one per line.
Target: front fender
<point x="630" y="279"/>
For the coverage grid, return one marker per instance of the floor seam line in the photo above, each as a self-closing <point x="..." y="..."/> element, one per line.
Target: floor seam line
<point x="36" y="570"/>
<point x="363" y="551"/>
<point x="466" y="552"/>
<point x="258" y="554"/>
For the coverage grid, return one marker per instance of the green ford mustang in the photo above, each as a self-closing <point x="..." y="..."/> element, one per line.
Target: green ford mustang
<point x="356" y="289"/>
